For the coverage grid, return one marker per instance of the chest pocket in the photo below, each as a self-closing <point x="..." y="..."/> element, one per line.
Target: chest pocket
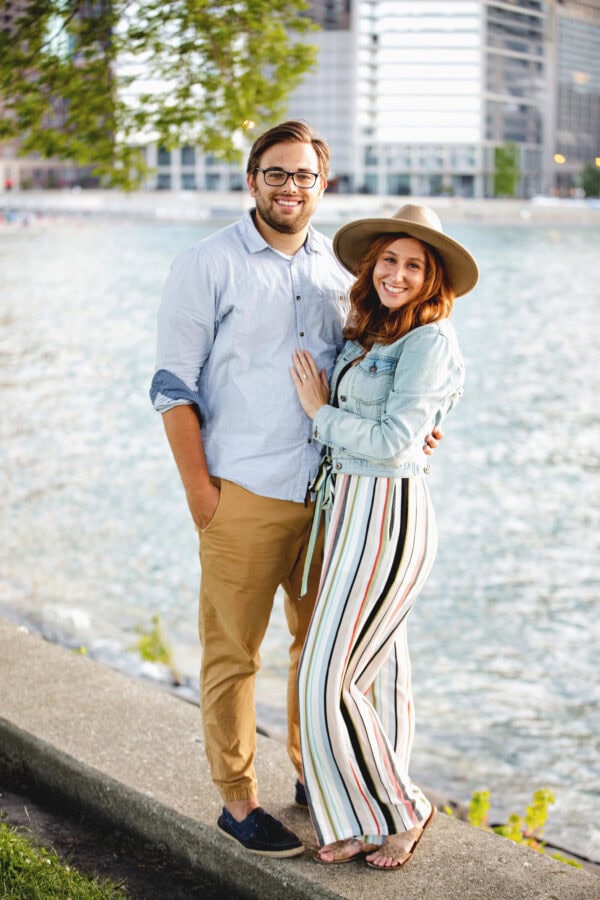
<point x="334" y="311"/>
<point x="372" y="382"/>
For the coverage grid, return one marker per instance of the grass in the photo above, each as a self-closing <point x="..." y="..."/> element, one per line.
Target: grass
<point x="29" y="872"/>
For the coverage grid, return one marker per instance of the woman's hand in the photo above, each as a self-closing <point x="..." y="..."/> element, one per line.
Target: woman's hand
<point x="312" y="385"/>
<point x="432" y="440"/>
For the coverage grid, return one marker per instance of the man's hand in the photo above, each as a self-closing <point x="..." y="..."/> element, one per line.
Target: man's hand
<point x="185" y="438"/>
<point x="203" y="504"/>
<point x="431" y="441"/>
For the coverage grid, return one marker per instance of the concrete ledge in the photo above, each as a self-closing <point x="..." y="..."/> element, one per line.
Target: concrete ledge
<point x="133" y="755"/>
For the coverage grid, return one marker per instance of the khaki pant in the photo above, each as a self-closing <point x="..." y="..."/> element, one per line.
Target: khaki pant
<point x="252" y="545"/>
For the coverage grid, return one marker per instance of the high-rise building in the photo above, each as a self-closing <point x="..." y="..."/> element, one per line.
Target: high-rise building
<point x="415" y="96"/>
<point x="574" y="41"/>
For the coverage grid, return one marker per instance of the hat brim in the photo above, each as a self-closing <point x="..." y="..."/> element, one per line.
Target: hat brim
<point x="352" y="241"/>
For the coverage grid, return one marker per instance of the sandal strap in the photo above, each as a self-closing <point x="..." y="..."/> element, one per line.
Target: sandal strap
<point x="398" y="853"/>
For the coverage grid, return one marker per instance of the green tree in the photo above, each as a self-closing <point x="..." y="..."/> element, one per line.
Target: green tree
<point x="590" y="180"/>
<point x="506" y="170"/>
<point x="86" y="81"/>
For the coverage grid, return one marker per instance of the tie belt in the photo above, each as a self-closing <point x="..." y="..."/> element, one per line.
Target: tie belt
<point x="323" y="486"/>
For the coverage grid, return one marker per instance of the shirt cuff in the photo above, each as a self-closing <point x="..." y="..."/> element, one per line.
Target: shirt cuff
<point x="168" y="391"/>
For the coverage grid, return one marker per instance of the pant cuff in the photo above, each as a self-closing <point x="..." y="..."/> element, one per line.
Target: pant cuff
<point x="243" y="793"/>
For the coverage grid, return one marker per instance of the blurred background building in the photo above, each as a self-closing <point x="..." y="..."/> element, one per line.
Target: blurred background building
<point x="431" y="97"/>
<point x="471" y="98"/>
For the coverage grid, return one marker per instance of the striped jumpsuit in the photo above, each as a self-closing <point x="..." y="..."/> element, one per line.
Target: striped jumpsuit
<point x="354" y="681"/>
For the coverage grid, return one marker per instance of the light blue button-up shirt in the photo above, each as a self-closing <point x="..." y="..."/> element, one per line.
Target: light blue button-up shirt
<point x="233" y="312"/>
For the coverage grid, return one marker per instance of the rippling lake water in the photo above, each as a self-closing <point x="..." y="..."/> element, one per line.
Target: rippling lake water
<point x="505" y="638"/>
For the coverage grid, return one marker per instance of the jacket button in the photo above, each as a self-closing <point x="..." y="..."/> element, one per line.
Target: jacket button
<point x="343" y="397"/>
<point x="427" y="469"/>
<point x="338" y="465"/>
<point x="372" y="368"/>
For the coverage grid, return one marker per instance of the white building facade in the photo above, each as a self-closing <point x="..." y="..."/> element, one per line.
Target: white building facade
<point x="437" y="84"/>
<point x="414" y="96"/>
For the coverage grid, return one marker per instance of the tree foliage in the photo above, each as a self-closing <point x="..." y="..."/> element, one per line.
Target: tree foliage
<point x="87" y="80"/>
<point x="507" y="172"/>
<point x="590" y="180"/>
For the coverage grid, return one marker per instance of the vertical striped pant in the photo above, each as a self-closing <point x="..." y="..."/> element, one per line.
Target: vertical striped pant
<point x="356" y="711"/>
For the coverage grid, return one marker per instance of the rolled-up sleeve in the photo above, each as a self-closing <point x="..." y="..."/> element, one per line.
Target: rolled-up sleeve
<point x="186" y="329"/>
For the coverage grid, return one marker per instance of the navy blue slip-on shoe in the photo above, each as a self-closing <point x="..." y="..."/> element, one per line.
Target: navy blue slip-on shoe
<point x="260" y="833"/>
<point x="300" y="797"/>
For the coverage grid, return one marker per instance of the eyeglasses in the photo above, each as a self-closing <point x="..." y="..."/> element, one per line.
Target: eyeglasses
<point x="278" y="177"/>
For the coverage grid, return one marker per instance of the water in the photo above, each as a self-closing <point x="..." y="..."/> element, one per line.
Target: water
<point x="505" y="638"/>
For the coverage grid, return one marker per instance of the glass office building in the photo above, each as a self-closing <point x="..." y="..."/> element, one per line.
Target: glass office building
<point x="426" y="90"/>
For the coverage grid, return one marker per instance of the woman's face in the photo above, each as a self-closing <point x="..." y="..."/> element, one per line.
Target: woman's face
<point x="399" y="272"/>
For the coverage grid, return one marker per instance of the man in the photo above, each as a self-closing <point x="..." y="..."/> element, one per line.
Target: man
<point x="234" y="309"/>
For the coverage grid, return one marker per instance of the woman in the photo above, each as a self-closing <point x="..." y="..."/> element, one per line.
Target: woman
<point x="399" y="374"/>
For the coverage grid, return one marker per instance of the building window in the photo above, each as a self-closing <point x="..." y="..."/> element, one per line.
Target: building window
<point x="398" y="184"/>
<point x="163" y="182"/>
<point x="164" y="156"/>
<point x="236" y="182"/>
<point x="188" y="181"/>
<point x="188" y="156"/>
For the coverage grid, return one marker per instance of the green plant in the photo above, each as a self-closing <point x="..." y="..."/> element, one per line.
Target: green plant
<point x="590" y="180"/>
<point x="29" y="871"/>
<point x="153" y="647"/>
<point x="506" y="170"/>
<point x="525" y="829"/>
<point x="478" y="808"/>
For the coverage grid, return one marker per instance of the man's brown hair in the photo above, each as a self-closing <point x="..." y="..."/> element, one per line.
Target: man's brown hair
<point x="290" y="132"/>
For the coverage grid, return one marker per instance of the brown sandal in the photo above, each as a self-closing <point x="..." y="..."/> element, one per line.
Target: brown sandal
<point x="398" y="854"/>
<point x="338" y="848"/>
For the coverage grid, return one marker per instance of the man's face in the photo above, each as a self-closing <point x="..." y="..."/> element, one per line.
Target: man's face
<point x="286" y="209"/>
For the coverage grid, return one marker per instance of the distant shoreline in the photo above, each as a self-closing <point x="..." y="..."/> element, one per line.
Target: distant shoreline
<point x="213" y="207"/>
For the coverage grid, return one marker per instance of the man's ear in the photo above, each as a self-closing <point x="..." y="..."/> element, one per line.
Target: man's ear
<point x="251" y="182"/>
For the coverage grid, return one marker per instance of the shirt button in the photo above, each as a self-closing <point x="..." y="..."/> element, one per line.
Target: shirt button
<point x="301" y="334"/>
<point x="427" y="469"/>
<point x="343" y="397"/>
<point x="338" y="465"/>
<point x="310" y="440"/>
<point x="298" y="297"/>
<point x="372" y="368"/>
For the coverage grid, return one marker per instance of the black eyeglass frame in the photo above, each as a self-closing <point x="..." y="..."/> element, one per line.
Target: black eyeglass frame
<point x="292" y="175"/>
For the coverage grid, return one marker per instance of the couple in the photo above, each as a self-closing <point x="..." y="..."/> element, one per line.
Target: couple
<point x="267" y="375"/>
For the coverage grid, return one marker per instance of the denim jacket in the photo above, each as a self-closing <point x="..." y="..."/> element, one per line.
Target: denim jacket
<point x="389" y="401"/>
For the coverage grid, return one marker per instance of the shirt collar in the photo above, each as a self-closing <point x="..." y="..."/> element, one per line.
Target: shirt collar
<point x="254" y="242"/>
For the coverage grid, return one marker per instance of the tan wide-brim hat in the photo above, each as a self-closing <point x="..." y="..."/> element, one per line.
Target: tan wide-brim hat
<point x="352" y="241"/>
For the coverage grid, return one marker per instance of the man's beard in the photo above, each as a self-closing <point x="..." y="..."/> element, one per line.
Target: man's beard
<point x="270" y="217"/>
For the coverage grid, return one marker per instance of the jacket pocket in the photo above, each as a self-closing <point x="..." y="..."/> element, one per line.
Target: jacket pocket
<point x="373" y="381"/>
